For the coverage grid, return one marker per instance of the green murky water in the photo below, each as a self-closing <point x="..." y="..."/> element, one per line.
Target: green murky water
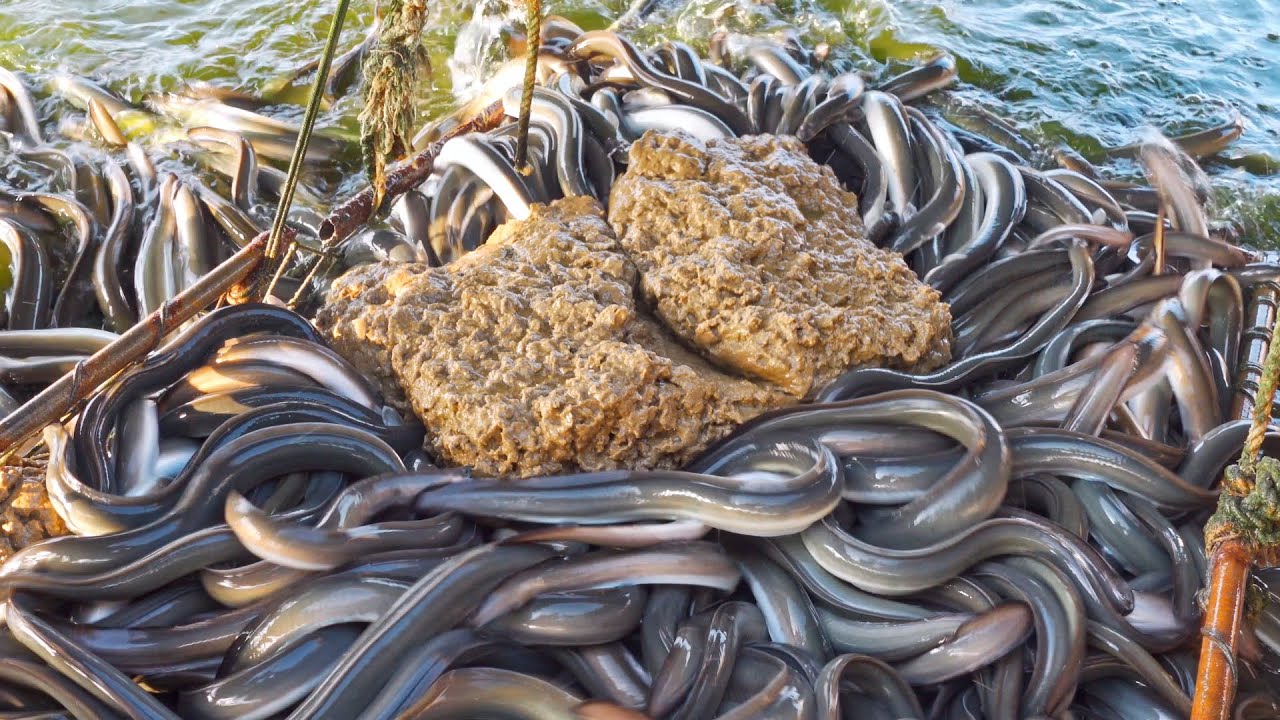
<point x="1089" y="72"/>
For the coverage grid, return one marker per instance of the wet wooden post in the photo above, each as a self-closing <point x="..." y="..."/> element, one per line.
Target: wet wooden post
<point x="1216" y="677"/>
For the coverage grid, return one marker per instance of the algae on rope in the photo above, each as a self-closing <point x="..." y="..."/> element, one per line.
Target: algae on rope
<point x="1249" y="510"/>
<point x="391" y="69"/>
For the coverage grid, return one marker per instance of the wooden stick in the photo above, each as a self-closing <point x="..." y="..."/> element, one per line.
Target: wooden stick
<point x="59" y="398"/>
<point x="233" y="278"/>
<point x="1216" y="678"/>
<point x="355" y="212"/>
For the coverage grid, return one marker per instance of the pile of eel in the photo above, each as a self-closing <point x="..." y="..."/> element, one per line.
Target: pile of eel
<point x="256" y="533"/>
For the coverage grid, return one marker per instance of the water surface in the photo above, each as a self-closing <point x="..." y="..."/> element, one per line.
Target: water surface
<point x="1092" y="73"/>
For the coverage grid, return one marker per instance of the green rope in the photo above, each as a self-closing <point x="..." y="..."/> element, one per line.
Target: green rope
<point x="533" y="38"/>
<point x="1249" y="505"/>
<point x="1253" y="514"/>
<point x="391" y="69"/>
<point x="300" y="147"/>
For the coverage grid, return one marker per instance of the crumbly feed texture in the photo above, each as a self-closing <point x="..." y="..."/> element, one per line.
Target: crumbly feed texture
<point x="753" y="253"/>
<point x="528" y="355"/>
<point x="738" y="281"/>
<point x="25" y="514"/>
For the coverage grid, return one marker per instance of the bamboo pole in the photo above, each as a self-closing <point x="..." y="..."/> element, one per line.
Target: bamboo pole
<point x="1216" y="678"/>
<point x="1231" y="562"/>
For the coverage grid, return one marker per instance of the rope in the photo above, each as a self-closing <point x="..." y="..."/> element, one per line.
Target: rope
<point x="390" y="70"/>
<point x="1249" y="506"/>
<point x="358" y="209"/>
<point x="300" y="148"/>
<point x="1249" y="509"/>
<point x="533" y="34"/>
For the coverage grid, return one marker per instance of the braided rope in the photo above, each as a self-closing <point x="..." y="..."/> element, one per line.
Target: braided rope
<point x="1249" y="506"/>
<point x="533" y="35"/>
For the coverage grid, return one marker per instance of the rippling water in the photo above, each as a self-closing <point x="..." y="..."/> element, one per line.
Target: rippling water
<point x="1089" y="72"/>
